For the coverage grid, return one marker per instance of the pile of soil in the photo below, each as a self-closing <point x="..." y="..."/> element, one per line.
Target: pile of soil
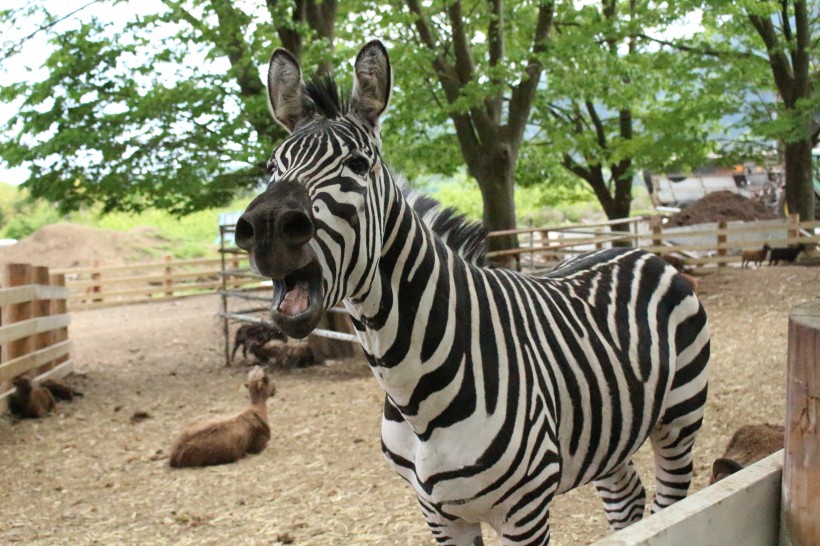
<point x="64" y="245"/>
<point x="721" y="206"/>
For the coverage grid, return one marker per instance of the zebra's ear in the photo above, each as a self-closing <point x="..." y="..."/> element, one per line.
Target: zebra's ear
<point x="285" y="95"/>
<point x="373" y="82"/>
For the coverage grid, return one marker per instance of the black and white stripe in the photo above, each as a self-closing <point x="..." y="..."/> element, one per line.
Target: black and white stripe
<point x="502" y="389"/>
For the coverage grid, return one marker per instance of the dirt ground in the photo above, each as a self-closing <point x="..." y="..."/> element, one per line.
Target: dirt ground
<point x="88" y="475"/>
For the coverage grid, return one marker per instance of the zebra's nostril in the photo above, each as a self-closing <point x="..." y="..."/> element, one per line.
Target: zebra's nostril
<point x="243" y="236"/>
<point x="295" y="227"/>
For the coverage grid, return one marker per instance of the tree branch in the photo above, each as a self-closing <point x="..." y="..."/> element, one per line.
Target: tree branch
<point x="495" y="38"/>
<point x="782" y="71"/>
<point x="523" y="94"/>
<point x="16" y="46"/>
<point x="596" y="121"/>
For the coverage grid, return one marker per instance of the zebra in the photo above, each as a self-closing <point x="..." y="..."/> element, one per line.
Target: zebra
<point x="502" y="389"/>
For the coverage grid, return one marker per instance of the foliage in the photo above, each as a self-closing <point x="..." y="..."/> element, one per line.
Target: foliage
<point x="167" y="112"/>
<point x="538" y="204"/>
<point x="21" y="215"/>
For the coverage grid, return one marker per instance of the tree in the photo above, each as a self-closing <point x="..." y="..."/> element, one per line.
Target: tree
<point x="777" y="42"/>
<point x="481" y="67"/>
<point x="790" y="34"/>
<point x="168" y="112"/>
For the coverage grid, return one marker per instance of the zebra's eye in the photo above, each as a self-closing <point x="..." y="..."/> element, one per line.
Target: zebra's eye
<point x="358" y="164"/>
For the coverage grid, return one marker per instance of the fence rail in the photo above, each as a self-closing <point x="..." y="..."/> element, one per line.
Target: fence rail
<point x="702" y="246"/>
<point x="103" y="286"/>
<point x="33" y="324"/>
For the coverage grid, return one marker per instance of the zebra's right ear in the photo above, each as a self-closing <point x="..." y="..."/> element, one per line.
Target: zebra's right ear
<point x="285" y="95"/>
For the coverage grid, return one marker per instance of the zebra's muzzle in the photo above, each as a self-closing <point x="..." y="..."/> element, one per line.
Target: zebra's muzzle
<point x="298" y="300"/>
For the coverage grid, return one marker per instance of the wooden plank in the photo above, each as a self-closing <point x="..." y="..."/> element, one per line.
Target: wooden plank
<point x="31" y="327"/>
<point x="145" y="279"/>
<point x="40" y="308"/>
<point x="519" y="231"/>
<point x="59" y="307"/>
<point x="801" y="469"/>
<point x="137" y="266"/>
<point x="742" y="509"/>
<point x="31" y="292"/>
<point x="16" y="275"/>
<point x="21" y="364"/>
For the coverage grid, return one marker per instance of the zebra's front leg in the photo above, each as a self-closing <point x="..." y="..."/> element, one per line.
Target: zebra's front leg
<point x="450" y="530"/>
<point x="623" y="495"/>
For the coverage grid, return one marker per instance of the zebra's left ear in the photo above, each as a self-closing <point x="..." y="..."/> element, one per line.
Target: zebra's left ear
<point x="373" y="82"/>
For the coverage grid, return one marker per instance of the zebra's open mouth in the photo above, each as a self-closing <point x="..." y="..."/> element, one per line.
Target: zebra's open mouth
<point x="297" y="300"/>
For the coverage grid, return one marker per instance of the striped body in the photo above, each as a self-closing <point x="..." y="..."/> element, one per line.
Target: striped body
<point x="502" y="389"/>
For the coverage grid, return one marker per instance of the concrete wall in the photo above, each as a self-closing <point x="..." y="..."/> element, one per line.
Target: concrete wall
<point x="743" y="509"/>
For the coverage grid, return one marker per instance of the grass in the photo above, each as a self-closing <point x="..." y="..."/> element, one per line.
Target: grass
<point x="195" y="235"/>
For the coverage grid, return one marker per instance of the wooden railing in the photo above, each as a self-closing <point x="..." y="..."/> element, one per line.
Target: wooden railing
<point x="101" y="286"/>
<point x="540" y="249"/>
<point x="34" y="332"/>
<point x="700" y="246"/>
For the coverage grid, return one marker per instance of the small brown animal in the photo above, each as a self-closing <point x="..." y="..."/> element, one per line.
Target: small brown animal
<point x="252" y="335"/>
<point x="749" y="444"/>
<point x="754" y="256"/>
<point x="227" y="439"/>
<point x="693" y="282"/>
<point x="674" y="261"/>
<point x="296" y="355"/>
<point x="60" y="390"/>
<point x="30" y="401"/>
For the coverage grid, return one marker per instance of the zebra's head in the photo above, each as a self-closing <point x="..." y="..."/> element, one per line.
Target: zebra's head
<point x="317" y="229"/>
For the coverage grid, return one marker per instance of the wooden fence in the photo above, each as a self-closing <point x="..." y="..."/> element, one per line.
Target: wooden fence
<point x="34" y="324"/>
<point x="102" y="286"/>
<point x="541" y="248"/>
<point x="701" y="246"/>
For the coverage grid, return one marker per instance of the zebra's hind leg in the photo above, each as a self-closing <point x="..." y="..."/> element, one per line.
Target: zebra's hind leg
<point x="672" y="444"/>
<point x="448" y="530"/>
<point x="623" y="495"/>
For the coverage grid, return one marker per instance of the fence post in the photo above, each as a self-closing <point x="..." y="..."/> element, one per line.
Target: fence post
<point x="721" y="241"/>
<point x="657" y="237"/>
<point x="793" y="230"/>
<point x="17" y="275"/>
<point x="168" y="281"/>
<point x="801" y="466"/>
<point x="96" y="276"/>
<point x="41" y="308"/>
<point x="58" y="307"/>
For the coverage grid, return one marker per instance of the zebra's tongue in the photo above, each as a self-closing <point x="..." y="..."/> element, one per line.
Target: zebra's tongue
<point x="296" y="300"/>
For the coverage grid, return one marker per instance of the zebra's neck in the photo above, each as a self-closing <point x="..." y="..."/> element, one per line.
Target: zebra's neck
<point x="411" y="321"/>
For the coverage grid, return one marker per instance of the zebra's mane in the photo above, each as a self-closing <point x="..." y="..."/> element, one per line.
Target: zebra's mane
<point x="464" y="237"/>
<point x="322" y="97"/>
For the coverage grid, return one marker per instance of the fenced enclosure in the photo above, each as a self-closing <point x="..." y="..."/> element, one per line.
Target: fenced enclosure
<point x="100" y="285"/>
<point x="701" y="246"/>
<point x="33" y="324"/>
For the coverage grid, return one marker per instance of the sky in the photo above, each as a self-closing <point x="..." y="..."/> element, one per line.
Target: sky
<point x="26" y="65"/>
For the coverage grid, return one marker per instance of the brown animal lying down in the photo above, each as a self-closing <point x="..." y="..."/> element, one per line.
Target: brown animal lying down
<point x="30" y="401"/>
<point x="749" y="444"/>
<point x="227" y="439"/>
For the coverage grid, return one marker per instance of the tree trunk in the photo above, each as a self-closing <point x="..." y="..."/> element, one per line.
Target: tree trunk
<point x="799" y="189"/>
<point x="495" y="173"/>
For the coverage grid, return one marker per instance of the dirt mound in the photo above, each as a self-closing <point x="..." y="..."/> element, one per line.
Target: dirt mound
<point x="720" y="206"/>
<point x="64" y="245"/>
